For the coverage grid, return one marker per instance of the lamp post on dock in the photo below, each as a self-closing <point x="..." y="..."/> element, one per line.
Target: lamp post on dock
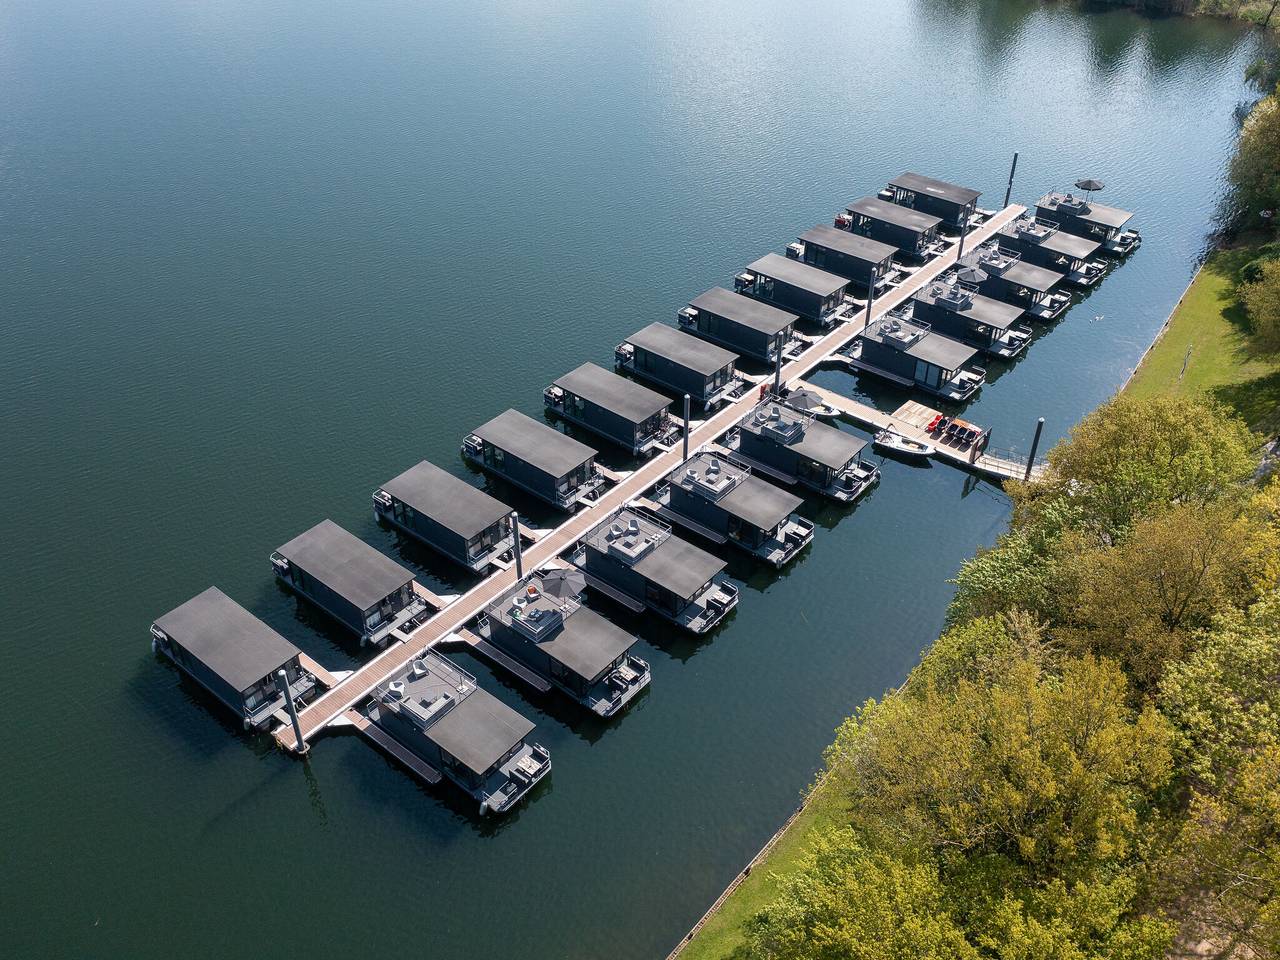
<point x="1035" y="445"/>
<point x="282" y="676"/>
<point x="515" y="538"/>
<point x="686" y="427"/>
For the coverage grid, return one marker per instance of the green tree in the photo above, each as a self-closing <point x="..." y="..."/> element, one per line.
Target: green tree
<point x="982" y="650"/>
<point x="849" y="903"/>
<point x="1255" y="168"/>
<point x="1224" y="700"/>
<point x="1262" y="304"/>
<point x="1048" y="771"/>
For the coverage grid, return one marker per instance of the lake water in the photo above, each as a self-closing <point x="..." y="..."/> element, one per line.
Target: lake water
<point x="258" y="256"/>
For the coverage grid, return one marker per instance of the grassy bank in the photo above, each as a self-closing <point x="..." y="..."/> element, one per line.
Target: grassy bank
<point x="1208" y="332"/>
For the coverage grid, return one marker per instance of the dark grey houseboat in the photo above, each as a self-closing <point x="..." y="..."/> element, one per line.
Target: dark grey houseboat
<point x="535" y="457"/>
<point x="909" y="354"/>
<point x="447" y="514"/>
<point x="676" y="361"/>
<point x="952" y="204"/>
<point x="1024" y="285"/>
<point x="954" y="309"/>
<point x="794" y="448"/>
<point x="233" y="655"/>
<point x="818" y="296"/>
<point x="364" y="590"/>
<point x="567" y="644"/>
<point x="748" y="327"/>
<point x="848" y="255"/>
<point x="638" y="562"/>
<point x="1044" y="245"/>
<point x="621" y="410"/>
<point x="915" y="234"/>
<point x="720" y="499"/>
<point x="1096" y="221"/>
<point x="435" y="710"/>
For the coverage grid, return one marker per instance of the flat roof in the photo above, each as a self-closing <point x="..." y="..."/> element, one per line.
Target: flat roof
<point x="759" y="503"/>
<point x="941" y="351"/>
<point x="799" y="275"/>
<point x="982" y="309"/>
<point x="227" y="638"/>
<point x="440" y="496"/>
<point x="879" y="209"/>
<point x="677" y="565"/>
<point x="587" y="643"/>
<point x="851" y="244"/>
<point x="682" y="348"/>
<point x="1058" y="241"/>
<point x="479" y="729"/>
<point x="936" y="188"/>
<point x="1091" y="212"/>
<point x="345" y="564"/>
<point x="827" y="445"/>
<point x="1031" y="276"/>
<point x="535" y="443"/>
<point x="616" y="394"/>
<point x="744" y="310"/>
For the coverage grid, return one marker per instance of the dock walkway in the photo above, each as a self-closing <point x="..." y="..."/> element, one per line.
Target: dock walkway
<point x="329" y="706"/>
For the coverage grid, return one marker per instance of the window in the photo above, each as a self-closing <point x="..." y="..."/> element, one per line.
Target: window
<point x="372" y="618"/>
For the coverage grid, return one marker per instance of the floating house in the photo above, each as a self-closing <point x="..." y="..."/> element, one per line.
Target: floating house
<point x="820" y="297"/>
<point x="850" y="255"/>
<point x="952" y="204"/>
<point x="915" y="234"/>
<point x="364" y="590"/>
<point x="954" y="309"/>
<point x="435" y="710"/>
<point x="1044" y="245"/>
<point x="910" y="354"/>
<point x="1096" y="221"/>
<point x="570" y="646"/>
<point x="638" y="562"/>
<point x="719" y="499"/>
<point x="447" y="514"/>
<point x="793" y="447"/>
<point x="748" y="327"/>
<point x="620" y="410"/>
<point x="1024" y="285"/>
<point x="536" y="458"/>
<point x="233" y="655"/>
<point x="678" y="362"/>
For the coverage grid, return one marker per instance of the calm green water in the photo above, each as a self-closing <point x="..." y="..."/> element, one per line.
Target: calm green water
<point x="258" y="256"/>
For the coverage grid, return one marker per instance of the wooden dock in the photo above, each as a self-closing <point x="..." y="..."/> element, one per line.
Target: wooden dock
<point x="910" y="420"/>
<point x="333" y="704"/>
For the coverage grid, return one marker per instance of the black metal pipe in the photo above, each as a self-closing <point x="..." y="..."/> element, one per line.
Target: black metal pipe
<point x="777" y="373"/>
<point x="871" y="294"/>
<point x="282" y="678"/>
<point x="1009" y="189"/>
<point x="1035" y="445"/>
<point x="515" y="538"/>
<point x="686" y="426"/>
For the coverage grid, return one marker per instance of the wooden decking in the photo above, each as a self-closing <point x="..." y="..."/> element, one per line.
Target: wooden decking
<point x="910" y="419"/>
<point x="333" y="704"/>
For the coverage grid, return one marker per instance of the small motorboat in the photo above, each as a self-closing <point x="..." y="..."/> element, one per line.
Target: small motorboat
<point x="890" y="441"/>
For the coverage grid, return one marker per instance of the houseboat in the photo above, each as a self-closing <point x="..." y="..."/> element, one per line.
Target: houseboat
<point x="571" y="647"/>
<point x="849" y="255"/>
<point x="620" y="410"/>
<point x="908" y="353"/>
<point x="820" y="297"/>
<point x="795" y="448"/>
<point x="1044" y="245"/>
<point x="435" y="710"/>
<point x="1084" y="218"/>
<point x="232" y="654"/>
<point x="1024" y="285"/>
<point x="915" y="234"/>
<point x="952" y="204"/>
<point x="536" y="458"/>
<point x="364" y="590"/>
<point x="748" y="327"/>
<point x="676" y="361"/>
<point x="954" y="309"/>
<point x="635" y="560"/>
<point x="446" y="514"/>
<point x="719" y="499"/>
